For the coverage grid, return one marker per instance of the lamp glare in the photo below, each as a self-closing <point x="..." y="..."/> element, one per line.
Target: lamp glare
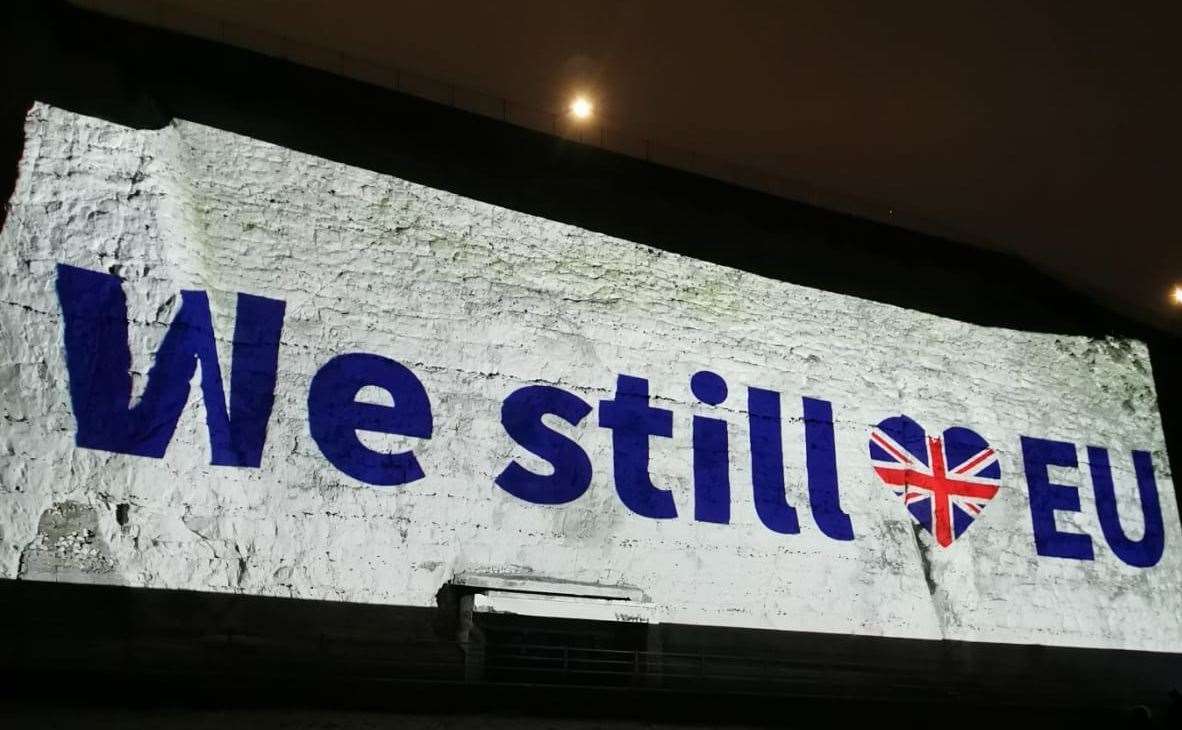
<point x="581" y="108"/>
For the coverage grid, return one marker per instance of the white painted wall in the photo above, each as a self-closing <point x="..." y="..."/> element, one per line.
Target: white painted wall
<point x="479" y="300"/>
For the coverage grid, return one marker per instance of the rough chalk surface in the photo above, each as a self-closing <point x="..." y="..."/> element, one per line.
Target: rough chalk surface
<point x="479" y="300"/>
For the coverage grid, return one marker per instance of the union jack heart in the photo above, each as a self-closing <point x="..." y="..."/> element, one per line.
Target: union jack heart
<point x="945" y="481"/>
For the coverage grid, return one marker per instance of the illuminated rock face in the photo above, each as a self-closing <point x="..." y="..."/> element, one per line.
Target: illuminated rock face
<point x="479" y="302"/>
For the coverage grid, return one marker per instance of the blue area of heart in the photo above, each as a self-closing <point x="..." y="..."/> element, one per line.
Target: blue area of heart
<point x="907" y="433"/>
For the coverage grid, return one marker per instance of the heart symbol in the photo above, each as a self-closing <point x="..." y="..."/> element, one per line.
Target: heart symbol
<point x="945" y="481"/>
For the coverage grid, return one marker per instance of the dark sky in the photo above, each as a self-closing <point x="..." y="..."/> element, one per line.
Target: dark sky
<point x="1045" y="129"/>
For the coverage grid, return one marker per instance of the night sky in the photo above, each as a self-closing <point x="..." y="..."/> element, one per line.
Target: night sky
<point x="1045" y="129"/>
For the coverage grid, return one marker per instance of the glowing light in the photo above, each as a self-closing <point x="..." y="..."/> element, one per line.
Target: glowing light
<point x="581" y="108"/>
<point x="1176" y="295"/>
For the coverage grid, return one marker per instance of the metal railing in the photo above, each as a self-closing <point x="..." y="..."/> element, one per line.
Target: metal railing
<point x="364" y="658"/>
